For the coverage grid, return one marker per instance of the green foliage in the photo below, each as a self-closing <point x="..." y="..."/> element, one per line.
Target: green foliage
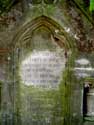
<point x="4" y="5"/>
<point x="91" y="5"/>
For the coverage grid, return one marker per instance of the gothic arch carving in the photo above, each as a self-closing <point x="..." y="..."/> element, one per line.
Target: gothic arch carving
<point x="25" y="32"/>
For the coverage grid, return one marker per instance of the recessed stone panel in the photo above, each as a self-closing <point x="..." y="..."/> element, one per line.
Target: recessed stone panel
<point x="43" y="69"/>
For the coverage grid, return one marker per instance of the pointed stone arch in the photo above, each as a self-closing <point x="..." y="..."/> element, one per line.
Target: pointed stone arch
<point x="25" y="32"/>
<point x="25" y="35"/>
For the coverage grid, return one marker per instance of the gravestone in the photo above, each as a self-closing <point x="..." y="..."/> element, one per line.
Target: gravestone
<point x="42" y="61"/>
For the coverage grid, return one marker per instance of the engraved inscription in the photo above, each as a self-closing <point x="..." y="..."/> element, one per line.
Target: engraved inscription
<point x="43" y="68"/>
